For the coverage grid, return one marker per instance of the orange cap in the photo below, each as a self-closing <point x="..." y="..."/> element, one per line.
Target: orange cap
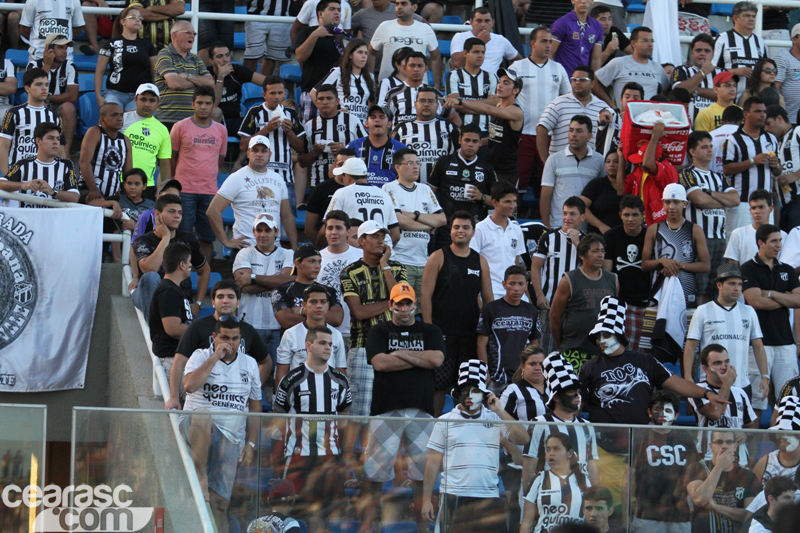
<point x="402" y="291"/>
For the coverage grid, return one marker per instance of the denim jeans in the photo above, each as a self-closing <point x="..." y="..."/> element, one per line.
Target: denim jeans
<point x="125" y="100"/>
<point x="143" y="294"/>
<point x="194" y="215"/>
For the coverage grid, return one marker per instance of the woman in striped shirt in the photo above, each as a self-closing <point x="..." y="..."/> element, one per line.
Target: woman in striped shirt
<point x="354" y="84"/>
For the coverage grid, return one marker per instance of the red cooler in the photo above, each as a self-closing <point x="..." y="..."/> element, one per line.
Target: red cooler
<point x="676" y="132"/>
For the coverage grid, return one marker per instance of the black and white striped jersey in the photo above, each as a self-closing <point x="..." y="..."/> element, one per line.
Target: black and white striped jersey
<point x="559" y="255"/>
<point x="59" y="78"/>
<point x="697" y="103"/>
<point x="18" y="126"/>
<point x="790" y="160"/>
<point x="59" y="174"/>
<point x="469" y="87"/>
<point x="737" y="415"/>
<point x="523" y="401"/>
<point x="302" y="391"/>
<point x="558" y="500"/>
<point x="7" y="72"/>
<point x="256" y="118"/>
<point x="431" y="140"/>
<point x="741" y="147"/>
<point x="400" y="102"/>
<point x="107" y="162"/>
<point x="733" y="50"/>
<point x="340" y="128"/>
<point x="386" y="85"/>
<point x="581" y="436"/>
<point x="355" y="99"/>
<point x="278" y="8"/>
<point x="712" y="221"/>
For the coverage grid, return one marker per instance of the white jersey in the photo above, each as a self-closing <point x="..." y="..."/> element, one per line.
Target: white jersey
<point x="790" y="252"/>
<point x="44" y="17"/>
<point x="734" y="328"/>
<point x="252" y="193"/>
<point x="559" y="500"/>
<point x="718" y="138"/>
<point x="257" y="307"/>
<point x="292" y="349"/>
<point x="471" y="453"/>
<point x="364" y="202"/>
<point x="412" y="248"/>
<point x="227" y="389"/>
<point x="541" y="84"/>
<point x="330" y="275"/>
<point x="500" y="247"/>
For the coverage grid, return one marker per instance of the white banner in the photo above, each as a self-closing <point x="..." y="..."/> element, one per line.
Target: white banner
<point x="49" y="279"/>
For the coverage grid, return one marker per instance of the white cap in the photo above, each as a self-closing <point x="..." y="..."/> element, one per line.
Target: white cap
<point x="795" y="30"/>
<point x="369" y="227"/>
<point x="265" y="218"/>
<point x="674" y="191"/>
<point x="354" y="166"/>
<point x="259" y="139"/>
<point x="148" y="87"/>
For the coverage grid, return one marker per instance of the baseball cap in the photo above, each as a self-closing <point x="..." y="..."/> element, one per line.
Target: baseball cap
<point x="259" y="139"/>
<point x="638" y="157"/>
<point x="724" y="77"/>
<point x="728" y="270"/>
<point x="265" y="218"/>
<point x="304" y="251"/>
<point x="148" y="87"/>
<point x="795" y="31"/>
<point x="354" y="166"/>
<point x="172" y="183"/>
<point x="57" y="39"/>
<point x="369" y="227"/>
<point x="674" y="191"/>
<point x="402" y="291"/>
<point x="512" y="74"/>
<point x="380" y="108"/>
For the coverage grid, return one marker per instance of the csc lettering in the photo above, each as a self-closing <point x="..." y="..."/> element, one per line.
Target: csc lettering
<point x="666" y="455"/>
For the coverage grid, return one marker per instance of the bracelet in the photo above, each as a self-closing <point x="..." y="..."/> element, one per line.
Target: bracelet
<point x="764" y="376"/>
<point x="387" y="267"/>
<point x="251" y="443"/>
<point x="769" y="294"/>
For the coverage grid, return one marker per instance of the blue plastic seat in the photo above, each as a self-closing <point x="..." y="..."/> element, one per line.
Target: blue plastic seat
<point x="252" y="95"/>
<point x="240" y="10"/>
<point x="206" y="310"/>
<point x="444" y="47"/>
<point x="300" y="219"/>
<point x="239" y="40"/>
<point x="222" y="177"/>
<point x="452" y="19"/>
<point x="636" y="6"/>
<point x="227" y="216"/>
<point x="89" y="113"/>
<point x="399" y="527"/>
<point x="723" y="10"/>
<point x="85" y="63"/>
<point x="86" y="83"/>
<point x="291" y="73"/>
<point x="344" y="526"/>
<point x="212" y="279"/>
<point x="18" y="57"/>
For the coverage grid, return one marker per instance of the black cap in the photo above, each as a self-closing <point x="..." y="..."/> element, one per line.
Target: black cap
<point x="729" y="270"/>
<point x="171" y="183"/>
<point x="512" y="75"/>
<point x="381" y="108"/>
<point x="304" y="251"/>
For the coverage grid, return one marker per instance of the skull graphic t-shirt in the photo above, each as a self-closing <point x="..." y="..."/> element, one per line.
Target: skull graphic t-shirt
<point x="625" y="253"/>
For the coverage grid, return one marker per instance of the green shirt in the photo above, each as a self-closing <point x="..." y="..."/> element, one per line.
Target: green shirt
<point x="150" y="141"/>
<point x="176" y="105"/>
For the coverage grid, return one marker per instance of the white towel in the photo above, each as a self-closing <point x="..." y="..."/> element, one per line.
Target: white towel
<point x="667" y="48"/>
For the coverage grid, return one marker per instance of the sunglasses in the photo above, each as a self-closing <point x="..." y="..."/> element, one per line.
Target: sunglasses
<point x="229" y="318"/>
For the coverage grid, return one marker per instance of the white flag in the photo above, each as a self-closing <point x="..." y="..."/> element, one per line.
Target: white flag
<point x="49" y="279"/>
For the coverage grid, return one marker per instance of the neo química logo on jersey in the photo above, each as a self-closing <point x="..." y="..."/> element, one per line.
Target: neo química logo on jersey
<point x="80" y="509"/>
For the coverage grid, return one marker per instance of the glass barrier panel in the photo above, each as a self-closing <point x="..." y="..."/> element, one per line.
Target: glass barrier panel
<point x="136" y="454"/>
<point x="22" y="461"/>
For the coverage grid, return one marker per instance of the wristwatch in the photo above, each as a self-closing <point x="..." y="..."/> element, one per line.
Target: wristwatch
<point x="460" y="101"/>
<point x="251" y="443"/>
<point x="416" y="215"/>
<point x="252" y="276"/>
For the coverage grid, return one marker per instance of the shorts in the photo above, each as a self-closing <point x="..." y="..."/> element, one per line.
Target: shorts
<point x="360" y="375"/>
<point x="194" y="215"/>
<point x="458" y="347"/>
<point x="463" y="514"/>
<point x="634" y="323"/>
<point x="267" y="40"/>
<point x="125" y="100"/>
<point x="384" y="444"/>
<point x="223" y="458"/>
<point x="781" y="367"/>
<point x="211" y="31"/>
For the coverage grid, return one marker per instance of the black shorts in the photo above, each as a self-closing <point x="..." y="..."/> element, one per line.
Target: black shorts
<point x="458" y="347"/>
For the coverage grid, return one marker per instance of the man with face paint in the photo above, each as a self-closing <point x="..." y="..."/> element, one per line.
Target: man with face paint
<point x="403" y="354"/>
<point x="470" y="455"/>
<point x="659" y="465"/>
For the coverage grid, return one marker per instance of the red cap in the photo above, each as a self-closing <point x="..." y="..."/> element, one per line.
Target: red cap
<point x="638" y="157"/>
<point x="724" y="77"/>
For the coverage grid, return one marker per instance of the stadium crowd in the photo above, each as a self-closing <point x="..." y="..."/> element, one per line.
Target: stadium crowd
<point x="379" y="262"/>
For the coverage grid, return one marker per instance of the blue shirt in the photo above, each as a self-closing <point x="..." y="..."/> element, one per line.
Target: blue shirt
<point x="378" y="160"/>
<point x="577" y="40"/>
<point x="146" y="222"/>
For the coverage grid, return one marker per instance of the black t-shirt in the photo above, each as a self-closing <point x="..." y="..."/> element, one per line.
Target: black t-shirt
<point x="168" y="301"/>
<point x="659" y="464"/>
<point x="624" y="42"/>
<point x="605" y="202"/>
<point x="128" y="63"/>
<point x="625" y="253"/>
<point x="323" y="58"/>
<point x="403" y="389"/>
<point x="230" y="102"/>
<point x="510" y="329"/>
<point x="451" y="174"/>
<point x="320" y="197"/>
<point x="198" y="336"/>
<point x="617" y="389"/>
<point x="732" y="490"/>
<point x="290" y="294"/>
<point x="146" y="244"/>
<point x="775" y="324"/>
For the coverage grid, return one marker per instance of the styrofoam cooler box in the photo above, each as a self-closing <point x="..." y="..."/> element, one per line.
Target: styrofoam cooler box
<point x="676" y="135"/>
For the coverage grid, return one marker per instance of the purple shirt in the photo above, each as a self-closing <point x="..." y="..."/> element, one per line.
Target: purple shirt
<point x="577" y="40"/>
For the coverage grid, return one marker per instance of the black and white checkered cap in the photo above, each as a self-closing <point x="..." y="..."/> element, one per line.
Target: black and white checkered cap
<point x="560" y="375"/>
<point x="474" y="372"/>
<point x="611" y="319"/>
<point x="789" y="417"/>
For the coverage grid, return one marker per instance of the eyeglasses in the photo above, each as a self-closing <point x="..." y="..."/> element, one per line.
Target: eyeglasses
<point x="646" y="41"/>
<point x="229" y="318"/>
<point x="134" y="17"/>
<point x="411" y="164"/>
<point x="580" y="79"/>
<point x="720" y="442"/>
<point x="770" y="70"/>
<point x="192" y="33"/>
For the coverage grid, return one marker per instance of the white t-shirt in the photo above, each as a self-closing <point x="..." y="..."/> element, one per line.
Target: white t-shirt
<point x="412" y="248"/>
<point x="44" y="17"/>
<point x="497" y="49"/>
<point x="742" y="246"/>
<point x="257" y="308"/>
<point x="308" y="15"/>
<point x="471" y="453"/>
<point x="391" y="36"/>
<point x="790" y="252"/>
<point x="500" y="247"/>
<point x="250" y="194"/>
<point x="292" y="349"/>
<point x="734" y="328"/>
<point x="718" y="137"/>
<point x="622" y="70"/>
<point x="330" y="275"/>
<point x="541" y="84"/>
<point x="364" y="202"/>
<point x="240" y="381"/>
